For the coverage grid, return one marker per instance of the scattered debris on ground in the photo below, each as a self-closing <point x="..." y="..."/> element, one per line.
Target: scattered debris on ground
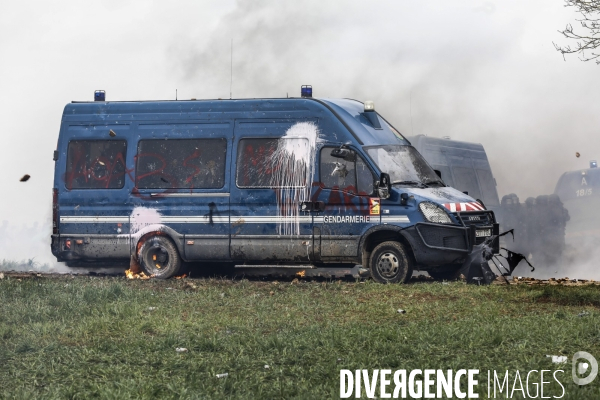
<point x="558" y="359"/>
<point x="181" y="350"/>
<point x="518" y="280"/>
<point x="583" y="314"/>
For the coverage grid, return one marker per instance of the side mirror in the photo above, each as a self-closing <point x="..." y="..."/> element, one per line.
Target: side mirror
<point x="438" y="173"/>
<point x="384" y="186"/>
<point x="404" y="199"/>
<point x="346" y="154"/>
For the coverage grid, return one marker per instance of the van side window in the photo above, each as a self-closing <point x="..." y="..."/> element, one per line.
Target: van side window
<point x="257" y="166"/>
<point x="351" y="176"/>
<point x="446" y="175"/>
<point x="181" y="164"/>
<point x="465" y="180"/>
<point x="364" y="177"/>
<point x="96" y="164"/>
<point x="254" y="167"/>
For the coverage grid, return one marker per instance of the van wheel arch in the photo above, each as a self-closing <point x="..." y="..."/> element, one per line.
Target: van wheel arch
<point x="165" y="231"/>
<point x="380" y="234"/>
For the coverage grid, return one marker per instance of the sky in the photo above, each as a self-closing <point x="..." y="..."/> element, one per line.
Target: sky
<point x="480" y="71"/>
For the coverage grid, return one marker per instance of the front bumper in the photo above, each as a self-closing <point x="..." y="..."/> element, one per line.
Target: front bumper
<point x="434" y="245"/>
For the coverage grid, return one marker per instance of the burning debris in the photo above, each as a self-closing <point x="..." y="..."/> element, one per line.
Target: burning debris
<point x="130" y="274"/>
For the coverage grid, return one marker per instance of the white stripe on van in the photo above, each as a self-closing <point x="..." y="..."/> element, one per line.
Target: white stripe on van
<point x="395" y="218"/>
<point x="204" y="219"/>
<point x="92" y="220"/>
<point x="189" y="219"/>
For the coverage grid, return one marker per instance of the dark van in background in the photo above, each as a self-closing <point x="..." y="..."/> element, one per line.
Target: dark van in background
<point x="463" y="165"/>
<point x="298" y="182"/>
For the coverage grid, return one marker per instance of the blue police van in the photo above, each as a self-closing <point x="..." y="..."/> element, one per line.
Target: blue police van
<point x="263" y="182"/>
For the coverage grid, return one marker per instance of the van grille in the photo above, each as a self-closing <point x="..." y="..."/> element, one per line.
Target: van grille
<point x="481" y="218"/>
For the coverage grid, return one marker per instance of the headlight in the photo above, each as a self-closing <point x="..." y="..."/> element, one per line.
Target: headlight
<point x="434" y="213"/>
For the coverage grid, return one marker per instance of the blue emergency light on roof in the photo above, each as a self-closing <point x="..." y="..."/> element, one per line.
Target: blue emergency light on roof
<point x="593" y="164"/>
<point x="99" y="95"/>
<point x="306" y="91"/>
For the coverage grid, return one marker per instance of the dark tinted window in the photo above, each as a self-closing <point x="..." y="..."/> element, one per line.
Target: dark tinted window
<point x="255" y="165"/>
<point x="96" y="164"/>
<point x="181" y="164"/>
<point x="337" y="173"/>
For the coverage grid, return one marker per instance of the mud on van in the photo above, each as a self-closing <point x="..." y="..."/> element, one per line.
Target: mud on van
<point x="256" y="182"/>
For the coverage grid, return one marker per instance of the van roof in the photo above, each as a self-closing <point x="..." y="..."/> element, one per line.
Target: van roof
<point x="421" y="140"/>
<point x="349" y="112"/>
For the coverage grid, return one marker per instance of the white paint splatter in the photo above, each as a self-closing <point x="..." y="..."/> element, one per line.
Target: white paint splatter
<point x="142" y="217"/>
<point x="293" y="165"/>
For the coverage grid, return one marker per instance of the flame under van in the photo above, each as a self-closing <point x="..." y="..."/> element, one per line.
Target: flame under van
<point x="265" y="182"/>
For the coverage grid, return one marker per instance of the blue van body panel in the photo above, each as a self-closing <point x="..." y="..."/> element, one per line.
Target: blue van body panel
<point x="352" y="113"/>
<point x="110" y="199"/>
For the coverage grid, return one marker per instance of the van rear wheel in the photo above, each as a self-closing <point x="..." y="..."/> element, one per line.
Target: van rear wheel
<point x="159" y="257"/>
<point x="390" y="263"/>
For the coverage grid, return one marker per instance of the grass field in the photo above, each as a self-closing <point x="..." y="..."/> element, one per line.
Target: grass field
<point x="110" y="338"/>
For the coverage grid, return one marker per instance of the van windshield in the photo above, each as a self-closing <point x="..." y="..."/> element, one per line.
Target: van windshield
<point x="404" y="164"/>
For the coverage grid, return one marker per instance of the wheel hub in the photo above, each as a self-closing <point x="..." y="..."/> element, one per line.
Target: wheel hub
<point x="388" y="265"/>
<point x="159" y="257"/>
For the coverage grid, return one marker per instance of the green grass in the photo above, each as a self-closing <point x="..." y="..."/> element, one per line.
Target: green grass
<point x="89" y="337"/>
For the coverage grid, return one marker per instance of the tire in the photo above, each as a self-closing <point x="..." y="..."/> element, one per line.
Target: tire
<point x="390" y="263"/>
<point x="159" y="257"/>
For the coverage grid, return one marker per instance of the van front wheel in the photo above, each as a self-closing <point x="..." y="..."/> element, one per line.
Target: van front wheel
<point x="389" y="263"/>
<point x="159" y="257"/>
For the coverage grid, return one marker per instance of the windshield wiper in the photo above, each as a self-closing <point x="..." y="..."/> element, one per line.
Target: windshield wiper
<point x="414" y="183"/>
<point x="438" y="181"/>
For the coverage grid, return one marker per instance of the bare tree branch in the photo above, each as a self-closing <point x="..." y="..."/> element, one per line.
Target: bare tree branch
<point x="588" y="39"/>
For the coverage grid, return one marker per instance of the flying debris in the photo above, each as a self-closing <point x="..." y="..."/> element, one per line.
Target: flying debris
<point x="577" y="154"/>
<point x="24" y="178"/>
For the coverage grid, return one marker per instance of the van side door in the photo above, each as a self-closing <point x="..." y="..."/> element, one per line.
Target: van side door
<point x="182" y="184"/>
<point x="346" y="187"/>
<point x="273" y="164"/>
